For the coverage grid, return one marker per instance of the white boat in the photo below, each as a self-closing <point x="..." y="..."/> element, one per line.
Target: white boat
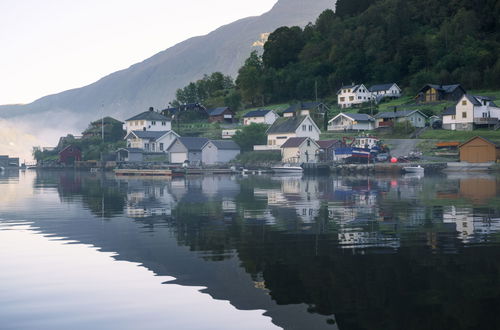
<point x="287" y="168"/>
<point x="413" y="169"/>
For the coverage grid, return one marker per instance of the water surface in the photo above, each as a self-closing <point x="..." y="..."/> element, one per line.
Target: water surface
<point x="229" y="252"/>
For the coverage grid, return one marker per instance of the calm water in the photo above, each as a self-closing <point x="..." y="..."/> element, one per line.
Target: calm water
<point x="83" y="251"/>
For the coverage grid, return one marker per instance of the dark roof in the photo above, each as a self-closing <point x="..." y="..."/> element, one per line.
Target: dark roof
<point x="292" y="108"/>
<point x="151" y="135"/>
<point x="286" y="125"/>
<point x="381" y="87"/>
<point x="397" y="114"/>
<point x="217" y="111"/>
<point x="480" y="137"/>
<point x="257" y="113"/>
<point x="294" y="142"/>
<point x="478" y="100"/>
<point x="442" y="88"/>
<point x="303" y="106"/>
<point x="193" y="143"/>
<point x="325" y="144"/>
<point x="149" y="115"/>
<point x="449" y="111"/>
<point x="225" y="144"/>
<point x="359" y="116"/>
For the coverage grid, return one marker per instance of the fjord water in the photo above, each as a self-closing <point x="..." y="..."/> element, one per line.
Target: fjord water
<point x="87" y="251"/>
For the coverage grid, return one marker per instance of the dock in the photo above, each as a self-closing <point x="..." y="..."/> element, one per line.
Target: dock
<point x="144" y="172"/>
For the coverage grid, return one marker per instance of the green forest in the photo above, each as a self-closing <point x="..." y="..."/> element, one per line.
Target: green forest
<point x="410" y="42"/>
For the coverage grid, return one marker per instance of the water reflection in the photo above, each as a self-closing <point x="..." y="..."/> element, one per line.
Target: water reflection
<point x="314" y="252"/>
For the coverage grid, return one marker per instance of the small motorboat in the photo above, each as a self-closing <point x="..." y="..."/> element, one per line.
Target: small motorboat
<point x="287" y="168"/>
<point x="413" y="169"/>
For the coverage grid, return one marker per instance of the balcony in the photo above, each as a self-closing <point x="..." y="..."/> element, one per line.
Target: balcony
<point x="485" y="121"/>
<point x="386" y="124"/>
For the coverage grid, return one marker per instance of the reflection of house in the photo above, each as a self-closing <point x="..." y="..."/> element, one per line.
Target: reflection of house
<point x="285" y="128"/>
<point x="187" y="149"/>
<point x="469" y="226"/>
<point x="219" y="152"/>
<point x="299" y="150"/>
<point x="145" y="199"/>
<point x="479" y="150"/>
<point x="433" y="93"/>
<point x="351" y="121"/>
<point x="220" y="115"/>
<point x="471" y="112"/>
<point x="260" y="116"/>
<point x="348" y="96"/>
<point x="415" y="117"/>
<point x="478" y="189"/>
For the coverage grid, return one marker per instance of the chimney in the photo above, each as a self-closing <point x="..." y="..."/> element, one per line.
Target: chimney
<point x="151" y="109"/>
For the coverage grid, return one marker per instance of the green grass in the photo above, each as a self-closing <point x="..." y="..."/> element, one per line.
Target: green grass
<point x="278" y="108"/>
<point x="461" y="136"/>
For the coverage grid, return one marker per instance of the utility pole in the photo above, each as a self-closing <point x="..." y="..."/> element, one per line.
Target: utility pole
<point x="102" y="121"/>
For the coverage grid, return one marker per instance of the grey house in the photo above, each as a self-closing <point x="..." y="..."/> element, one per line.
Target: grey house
<point x="219" y="152"/>
<point x="388" y="119"/>
<point x="187" y="149"/>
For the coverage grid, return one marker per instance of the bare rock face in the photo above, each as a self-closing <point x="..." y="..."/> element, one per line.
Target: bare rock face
<point x="154" y="81"/>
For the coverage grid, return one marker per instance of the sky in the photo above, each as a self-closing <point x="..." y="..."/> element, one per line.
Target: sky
<point x="49" y="46"/>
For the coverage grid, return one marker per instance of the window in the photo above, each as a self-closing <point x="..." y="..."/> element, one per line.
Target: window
<point x="308" y="143"/>
<point x="153" y="122"/>
<point x="310" y="128"/>
<point x="453" y="117"/>
<point x="464" y="114"/>
<point x="342" y="99"/>
<point x="163" y="123"/>
<point x="304" y="127"/>
<point x="153" y="145"/>
<point x="464" y="102"/>
<point x="146" y="146"/>
<point x="161" y="146"/>
<point x="359" y="97"/>
<point x="351" y="98"/>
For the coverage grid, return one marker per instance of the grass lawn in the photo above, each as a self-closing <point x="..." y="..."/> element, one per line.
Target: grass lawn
<point x="278" y="108"/>
<point x="461" y="136"/>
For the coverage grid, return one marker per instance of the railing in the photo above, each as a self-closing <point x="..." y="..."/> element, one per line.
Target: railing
<point x="485" y="121"/>
<point x="386" y="124"/>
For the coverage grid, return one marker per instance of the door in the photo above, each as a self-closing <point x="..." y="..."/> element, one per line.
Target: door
<point x="178" y="157"/>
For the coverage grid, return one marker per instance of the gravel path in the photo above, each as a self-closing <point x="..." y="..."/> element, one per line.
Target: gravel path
<point x="402" y="147"/>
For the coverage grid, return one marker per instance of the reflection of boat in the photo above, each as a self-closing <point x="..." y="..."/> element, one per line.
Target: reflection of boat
<point x="2" y="169"/>
<point x="413" y="169"/>
<point x="413" y="175"/>
<point x="287" y="168"/>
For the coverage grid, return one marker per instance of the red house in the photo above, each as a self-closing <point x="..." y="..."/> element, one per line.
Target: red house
<point x="70" y="155"/>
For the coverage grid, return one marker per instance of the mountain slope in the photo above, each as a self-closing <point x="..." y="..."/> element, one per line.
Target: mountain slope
<point x="154" y="81"/>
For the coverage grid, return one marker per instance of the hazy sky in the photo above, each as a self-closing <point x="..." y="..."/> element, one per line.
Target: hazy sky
<point x="49" y="46"/>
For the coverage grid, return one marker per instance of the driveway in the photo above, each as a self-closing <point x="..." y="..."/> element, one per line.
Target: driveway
<point x="402" y="147"/>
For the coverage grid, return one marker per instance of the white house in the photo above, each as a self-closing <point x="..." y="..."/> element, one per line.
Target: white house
<point x="299" y="150"/>
<point x="219" y="152"/>
<point x="470" y="112"/>
<point x="387" y="119"/>
<point x="260" y="116"/>
<point x="148" y="121"/>
<point x="151" y="141"/>
<point x="381" y="91"/>
<point x="348" y="96"/>
<point x="285" y="128"/>
<point x="351" y="121"/>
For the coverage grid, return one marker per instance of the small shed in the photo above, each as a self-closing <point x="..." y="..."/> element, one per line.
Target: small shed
<point x="219" y="152"/>
<point x="479" y="150"/>
<point x="221" y="115"/>
<point x="70" y="155"/>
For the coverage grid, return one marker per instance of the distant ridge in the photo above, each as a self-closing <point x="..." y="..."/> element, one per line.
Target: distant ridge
<point x="154" y="81"/>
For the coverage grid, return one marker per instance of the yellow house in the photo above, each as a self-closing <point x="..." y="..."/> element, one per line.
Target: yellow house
<point x="286" y="128"/>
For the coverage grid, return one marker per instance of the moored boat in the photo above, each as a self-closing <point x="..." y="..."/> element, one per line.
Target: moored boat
<point x="287" y="168"/>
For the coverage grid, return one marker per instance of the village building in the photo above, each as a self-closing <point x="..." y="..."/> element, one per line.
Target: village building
<point x="479" y="150"/>
<point x="471" y="112"/>
<point x="347" y="96"/>
<point x="130" y="155"/>
<point x="221" y="115"/>
<point x="313" y="109"/>
<point x="193" y="109"/>
<point x="285" y="128"/>
<point x="351" y="121"/>
<point x="434" y="93"/>
<point x="228" y="133"/>
<point x="151" y="141"/>
<point x="70" y="155"/>
<point x="260" y="116"/>
<point x="299" y="150"/>
<point x="219" y="152"/>
<point x="388" y="119"/>
<point x="187" y="149"/>
<point x="382" y="91"/>
<point x="327" y="149"/>
<point x="6" y="161"/>
<point x="148" y="121"/>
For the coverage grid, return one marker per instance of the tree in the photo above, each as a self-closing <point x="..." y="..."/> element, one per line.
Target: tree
<point x="248" y="136"/>
<point x="249" y="80"/>
<point x="283" y="47"/>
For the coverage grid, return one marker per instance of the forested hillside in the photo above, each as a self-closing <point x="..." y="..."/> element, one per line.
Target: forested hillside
<point x="411" y="42"/>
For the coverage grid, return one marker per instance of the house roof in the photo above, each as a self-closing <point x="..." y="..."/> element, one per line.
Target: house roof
<point x="286" y="125"/>
<point x="450" y="111"/>
<point x="67" y="147"/>
<point x="359" y="116"/>
<point x="381" y="87"/>
<point x="217" y="111"/>
<point x="442" y="88"/>
<point x="257" y="113"/>
<point x="292" y="108"/>
<point x="150" y="135"/>
<point x="193" y="143"/>
<point x="325" y="144"/>
<point x="397" y="114"/>
<point x="293" y="142"/>
<point x="149" y="115"/>
<point x="225" y="144"/>
<point x="106" y="120"/>
<point x="479" y="137"/>
<point x="303" y="106"/>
